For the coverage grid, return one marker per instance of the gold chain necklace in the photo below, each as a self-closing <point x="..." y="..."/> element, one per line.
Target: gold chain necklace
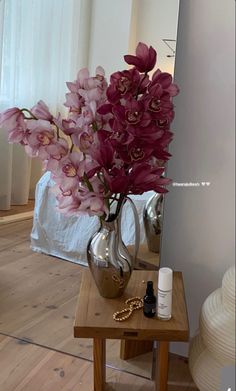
<point x="134" y="303"/>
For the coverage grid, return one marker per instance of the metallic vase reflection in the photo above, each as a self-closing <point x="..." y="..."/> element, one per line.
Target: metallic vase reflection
<point x="109" y="260"/>
<point x="152" y="218"/>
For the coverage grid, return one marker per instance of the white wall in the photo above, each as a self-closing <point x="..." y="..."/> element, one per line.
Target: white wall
<point x="198" y="233"/>
<point x="153" y="21"/>
<point x="118" y="26"/>
<point x="109" y="39"/>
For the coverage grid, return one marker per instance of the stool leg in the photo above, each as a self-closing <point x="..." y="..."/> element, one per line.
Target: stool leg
<point x="162" y="366"/>
<point x="99" y="363"/>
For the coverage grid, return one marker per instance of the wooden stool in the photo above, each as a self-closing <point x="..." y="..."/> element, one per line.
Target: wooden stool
<point x="94" y="320"/>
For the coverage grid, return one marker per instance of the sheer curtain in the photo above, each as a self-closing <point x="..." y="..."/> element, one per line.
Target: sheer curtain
<point x="42" y="45"/>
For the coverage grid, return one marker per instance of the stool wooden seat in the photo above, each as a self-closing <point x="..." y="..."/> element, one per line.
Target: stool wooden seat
<point x="94" y="320"/>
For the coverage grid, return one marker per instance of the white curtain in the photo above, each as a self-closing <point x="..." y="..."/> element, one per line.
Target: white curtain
<point x="43" y="43"/>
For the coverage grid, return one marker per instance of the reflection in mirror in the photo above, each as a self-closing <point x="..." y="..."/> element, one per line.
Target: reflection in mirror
<point x="155" y="22"/>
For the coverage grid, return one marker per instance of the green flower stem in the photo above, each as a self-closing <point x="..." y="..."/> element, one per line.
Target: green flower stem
<point x="119" y="204"/>
<point x="88" y="184"/>
<point x="94" y="126"/>
<point x="58" y="135"/>
<point x="106" y="190"/>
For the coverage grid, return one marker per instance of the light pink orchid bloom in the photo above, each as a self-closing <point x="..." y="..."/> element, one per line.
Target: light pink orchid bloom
<point x="69" y="171"/>
<point x="41" y="111"/>
<point x="68" y="204"/>
<point x="13" y="121"/>
<point x="40" y="136"/>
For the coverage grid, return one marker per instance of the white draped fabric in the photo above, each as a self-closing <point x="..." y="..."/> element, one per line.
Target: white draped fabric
<point x="42" y="45"/>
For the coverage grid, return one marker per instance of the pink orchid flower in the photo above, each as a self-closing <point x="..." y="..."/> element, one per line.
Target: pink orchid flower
<point x="59" y="149"/>
<point x="144" y="178"/>
<point x="13" y="121"/>
<point x="135" y="113"/>
<point x="85" y="141"/>
<point x="68" y="203"/>
<point x="145" y="58"/>
<point x="93" y="206"/>
<point x="102" y="151"/>
<point x="68" y="126"/>
<point x="74" y="101"/>
<point x="151" y="134"/>
<point x="69" y="170"/>
<point x="123" y="85"/>
<point x="117" y="180"/>
<point x="164" y="79"/>
<point x="40" y="135"/>
<point x="41" y="111"/>
<point x="81" y="200"/>
<point x="88" y="114"/>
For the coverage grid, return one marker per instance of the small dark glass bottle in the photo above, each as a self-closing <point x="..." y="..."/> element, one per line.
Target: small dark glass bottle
<point x="149" y="301"/>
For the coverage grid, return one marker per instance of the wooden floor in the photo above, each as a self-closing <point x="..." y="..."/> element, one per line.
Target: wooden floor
<point x="38" y="296"/>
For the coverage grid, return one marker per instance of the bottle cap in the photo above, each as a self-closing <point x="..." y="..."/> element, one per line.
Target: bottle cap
<point x="165" y="279"/>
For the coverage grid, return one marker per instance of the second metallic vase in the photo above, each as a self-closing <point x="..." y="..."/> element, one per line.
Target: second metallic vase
<point x="152" y="218"/>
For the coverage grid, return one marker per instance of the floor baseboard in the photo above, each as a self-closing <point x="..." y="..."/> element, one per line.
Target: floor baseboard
<point x="17" y="217"/>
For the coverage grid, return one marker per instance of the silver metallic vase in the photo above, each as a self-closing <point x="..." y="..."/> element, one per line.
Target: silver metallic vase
<point x="109" y="260"/>
<point x="152" y="218"/>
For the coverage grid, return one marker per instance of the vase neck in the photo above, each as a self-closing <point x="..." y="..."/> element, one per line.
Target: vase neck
<point x="109" y="225"/>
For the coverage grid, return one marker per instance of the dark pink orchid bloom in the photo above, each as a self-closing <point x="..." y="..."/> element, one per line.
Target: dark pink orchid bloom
<point x="102" y="151"/>
<point x="165" y="81"/>
<point x="132" y="113"/>
<point x="148" y="135"/>
<point x="160" y="109"/>
<point x="145" y="58"/>
<point x="136" y="151"/>
<point x="144" y="178"/>
<point x="160" y="151"/>
<point x="135" y="113"/>
<point x="123" y="84"/>
<point x="117" y="180"/>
